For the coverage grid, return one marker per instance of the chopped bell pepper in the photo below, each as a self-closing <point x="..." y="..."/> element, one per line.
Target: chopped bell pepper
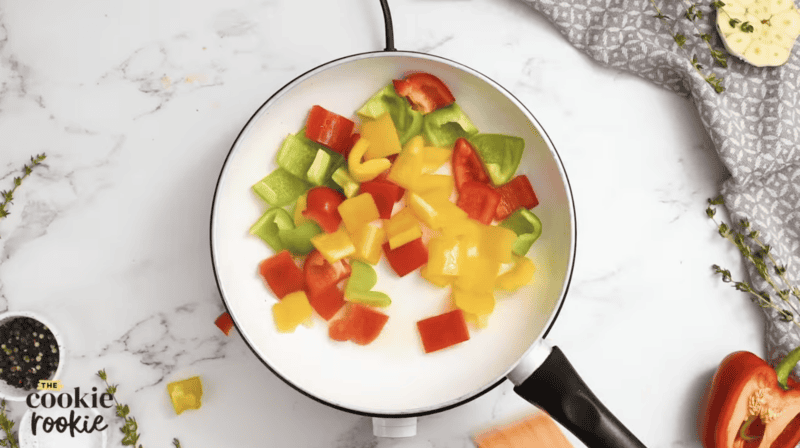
<point x="224" y="322"/>
<point x="322" y="206"/>
<point x="435" y="212"/>
<point x="407" y="121"/>
<point x="433" y="158"/>
<point x="269" y="225"/>
<point x="436" y="279"/>
<point x="322" y="167"/>
<point x="424" y="91"/>
<point x="297" y="154"/>
<point x="360" y="324"/>
<point x="334" y="246"/>
<point x="342" y="178"/>
<point x="527" y="226"/>
<point x="329" y="129"/>
<point x="326" y="302"/>
<point x="406" y="258"/>
<point x="479" y="303"/>
<point x="479" y="201"/>
<point x="382" y="136"/>
<point x="443" y="330"/>
<point x="385" y="194"/>
<point x="519" y="275"/>
<point x="434" y="185"/>
<point x="359" y="286"/>
<point x="467" y="166"/>
<point x="358" y="211"/>
<point x="280" y="188"/>
<point x="408" y="165"/>
<point x="281" y="274"/>
<point x="297" y="240"/>
<point x="444" y="126"/>
<point x="319" y="274"/>
<point x="292" y="311"/>
<point x="186" y="394"/>
<point x="299" y="207"/>
<point x="498" y="243"/>
<point x="500" y="155"/>
<point x="444" y="256"/>
<point x="751" y="404"/>
<point x="368" y="241"/>
<point x="362" y="171"/>
<point x="402" y="228"/>
<point x="516" y="193"/>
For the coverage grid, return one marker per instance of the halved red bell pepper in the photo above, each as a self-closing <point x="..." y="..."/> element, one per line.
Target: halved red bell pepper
<point x="360" y="324"/>
<point x="406" y="258"/>
<point x="385" y="194"/>
<point x="750" y="404"/>
<point x="224" y="323"/>
<point x="479" y="201"/>
<point x="516" y="193"/>
<point x="467" y="166"/>
<point x="326" y="302"/>
<point x="282" y="274"/>
<point x="322" y="205"/>
<point x="443" y="330"/>
<point x="424" y="91"/>
<point x="329" y="129"/>
<point x="320" y="275"/>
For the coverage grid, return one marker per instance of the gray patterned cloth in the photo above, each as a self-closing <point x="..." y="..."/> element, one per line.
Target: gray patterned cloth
<point x="754" y="123"/>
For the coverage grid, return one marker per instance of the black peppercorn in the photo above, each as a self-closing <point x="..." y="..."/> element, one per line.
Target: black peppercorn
<point x="23" y="359"/>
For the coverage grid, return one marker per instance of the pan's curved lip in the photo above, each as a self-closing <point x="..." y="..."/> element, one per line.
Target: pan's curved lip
<point x="475" y="394"/>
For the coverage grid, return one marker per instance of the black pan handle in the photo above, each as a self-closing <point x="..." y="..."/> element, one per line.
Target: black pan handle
<point x="557" y="388"/>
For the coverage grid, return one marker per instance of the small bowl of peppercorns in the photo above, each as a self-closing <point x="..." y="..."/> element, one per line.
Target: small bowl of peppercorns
<point x="30" y="350"/>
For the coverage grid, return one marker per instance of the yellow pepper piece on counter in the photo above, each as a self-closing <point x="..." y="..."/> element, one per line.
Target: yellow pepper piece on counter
<point x="186" y="394"/>
<point x="444" y="256"/>
<point x="402" y="228"/>
<point x="368" y="241"/>
<point x="518" y="276"/>
<point x="438" y="280"/>
<point x="291" y="311"/>
<point x="334" y="246"/>
<point x="383" y="137"/>
<point x="435" y="212"/>
<point x="362" y="171"/>
<point x="299" y="206"/>
<point x="474" y="302"/>
<point x="433" y="158"/>
<point x="408" y="165"/>
<point x="437" y="186"/>
<point x="359" y="210"/>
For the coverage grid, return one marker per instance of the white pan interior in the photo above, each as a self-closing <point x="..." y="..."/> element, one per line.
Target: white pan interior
<point x="391" y="376"/>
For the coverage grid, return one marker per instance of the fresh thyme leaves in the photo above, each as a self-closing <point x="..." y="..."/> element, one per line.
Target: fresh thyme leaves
<point x="8" y="196"/>
<point x="130" y="428"/>
<point x="8" y="427"/>
<point x="177" y="443"/>
<point x="693" y="13"/>
<point x="760" y="255"/>
<point x="747" y="27"/>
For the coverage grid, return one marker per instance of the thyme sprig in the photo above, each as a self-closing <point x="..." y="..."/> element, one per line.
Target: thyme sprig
<point x="177" y="443"/>
<point x="693" y="13"/>
<point x="760" y="255"/>
<point x="8" y="428"/>
<point x="8" y="196"/>
<point x="130" y="428"/>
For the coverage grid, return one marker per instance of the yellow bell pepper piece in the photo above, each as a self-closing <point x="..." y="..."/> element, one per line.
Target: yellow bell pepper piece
<point x="434" y="158"/>
<point x="437" y="186"/>
<point x="186" y="394"/>
<point x="299" y="207"/>
<point x="518" y="276"/>
<point x="498" y="243"/>
<point x="473" y="302"/>
<point x="408" y="165"/>
<point x="434" y="212"/>
<point x="366" y="170"/>
<point x="291" y="311"/>
<point x="444" y="256"/>
<point x="334" y="246"/>
<point x="383" y="135"/>
<point x="359" y="210"/>
<point x="402" y="228"/>
<point x="438" y="280"/>
<point x="368" y="241"/>
<point x="480" y="321"/>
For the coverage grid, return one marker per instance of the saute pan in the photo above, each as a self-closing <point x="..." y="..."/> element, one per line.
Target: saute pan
<point x="392" y="379"/>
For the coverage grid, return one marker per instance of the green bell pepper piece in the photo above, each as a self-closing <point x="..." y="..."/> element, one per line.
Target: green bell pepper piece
<point x="358" y="287"/>
<point x="500" y="154"/>
<point x="444" y="126"/>
<point x="345" y="182"/>
<point x="297" y="154"/>
<point x="280" y="188"/>
<point x="297" y="240"/>
<point x="528" y="228"/>
<point x="269" y="226"/>
<point x="407" y="121"/>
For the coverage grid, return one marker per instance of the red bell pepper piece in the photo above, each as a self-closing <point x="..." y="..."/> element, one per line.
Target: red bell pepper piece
<point x="361" y="324"/>
<point x="424" y="91"/>
<point x="281" y="274"/>
<point x="752" y="404"/>
<point x="467" y="166"/>
<point x="329" y="129"/>
<point x="224" y="323"/>
<point x="406" y="258"/>
<point x="322" y="205"/>
<point x="443" y="331"/>
<point x="479" y="201"/>
<point x="320" y="275"/>
<point x="385" y="194"/>
<point x="518" y="192"/>
<point x="326" y="302"/>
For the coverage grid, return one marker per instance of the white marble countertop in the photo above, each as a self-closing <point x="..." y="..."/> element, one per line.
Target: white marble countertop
<point x="136" y="105"/>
